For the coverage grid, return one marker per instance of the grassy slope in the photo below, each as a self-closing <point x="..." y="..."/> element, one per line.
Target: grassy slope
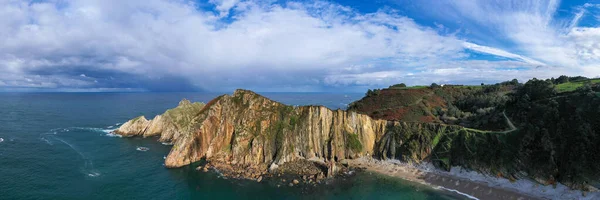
<point x="571" y="86"/>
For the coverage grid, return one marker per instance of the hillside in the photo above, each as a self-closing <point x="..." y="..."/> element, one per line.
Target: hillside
<point x="531" y="131"/>
<point x="557" y="135"/>
<point x="452" y="105"/>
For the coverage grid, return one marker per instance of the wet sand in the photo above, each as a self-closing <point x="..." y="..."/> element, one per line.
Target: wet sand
<point x="472" y="188"/>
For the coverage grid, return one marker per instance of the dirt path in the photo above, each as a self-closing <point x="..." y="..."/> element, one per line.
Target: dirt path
<point x="510" y="124"/>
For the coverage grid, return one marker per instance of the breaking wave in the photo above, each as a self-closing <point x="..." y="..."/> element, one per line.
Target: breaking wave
<point x="456" y="191"/>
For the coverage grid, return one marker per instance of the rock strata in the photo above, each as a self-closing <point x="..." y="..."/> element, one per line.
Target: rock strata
<point x="246" y="135"/>
<point x="246" y="132"/>
<point x="169" y="126"/>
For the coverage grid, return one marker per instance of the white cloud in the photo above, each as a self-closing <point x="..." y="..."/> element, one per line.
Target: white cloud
<point x="535" y="30"/>
<point x="500" y="52"/>
<point x="156" y="37"/>
<point x="263" y="45"/>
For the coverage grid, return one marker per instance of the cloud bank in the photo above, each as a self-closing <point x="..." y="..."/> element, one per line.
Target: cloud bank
<point x="219" y="45"/>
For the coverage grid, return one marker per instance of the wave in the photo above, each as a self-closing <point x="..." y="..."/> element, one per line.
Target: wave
<point x="88" y="165"/>
<point x="112" y="134"/>
<point x="56" y="131"/>
<point x="46" y="140"/>
<point x="142" y="149"/>
<point x="94" y="174"/>
<point x="91" y="129"/>
<point x="167" y="143"/>
<point x="456" y="191"/>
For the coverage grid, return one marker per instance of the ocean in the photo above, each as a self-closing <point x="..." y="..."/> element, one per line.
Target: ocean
<point x="59" y="146"/>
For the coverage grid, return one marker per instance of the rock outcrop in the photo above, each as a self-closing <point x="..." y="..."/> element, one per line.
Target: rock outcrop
<point x="250" y="135"/>
<point x="247" y="130"/>
<point x="169" y="125"/>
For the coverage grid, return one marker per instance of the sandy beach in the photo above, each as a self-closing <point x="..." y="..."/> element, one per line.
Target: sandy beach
<point x="468" y="188"/>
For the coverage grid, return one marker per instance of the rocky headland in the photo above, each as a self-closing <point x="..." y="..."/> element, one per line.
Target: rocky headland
<point x="246" y="135"/>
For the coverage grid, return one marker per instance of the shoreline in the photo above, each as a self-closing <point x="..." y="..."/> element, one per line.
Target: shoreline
<point x="466" y="184"/>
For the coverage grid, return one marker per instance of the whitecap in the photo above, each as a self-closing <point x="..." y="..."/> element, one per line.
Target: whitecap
<point x="456" y="191"/>
<point x="112" y="134"/>
<point x="167" y="143"/>
<point x="142" y="149"/>
<point x="1" y="140"/>
<point x="110" y="127"/>
<point x="93" y="174"/>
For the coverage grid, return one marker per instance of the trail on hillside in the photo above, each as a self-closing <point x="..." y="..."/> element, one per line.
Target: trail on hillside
<point x="510" y="124"/>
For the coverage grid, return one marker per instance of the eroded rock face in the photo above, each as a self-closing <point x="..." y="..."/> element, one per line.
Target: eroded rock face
<point x="134" y="127"/>
<point x="168" y="126"/>
<point x="247" y="135"/>
<point x="246" y="131"/>
<point x="251" y="131"/>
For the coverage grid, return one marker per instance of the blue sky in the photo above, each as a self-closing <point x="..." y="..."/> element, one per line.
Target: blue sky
<point x="290" y="46"/>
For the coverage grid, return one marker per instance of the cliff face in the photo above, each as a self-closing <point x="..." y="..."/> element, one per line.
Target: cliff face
<point x="247" y="129"/>
<point x="170" y="125"/>
<point x="248" y="132"/>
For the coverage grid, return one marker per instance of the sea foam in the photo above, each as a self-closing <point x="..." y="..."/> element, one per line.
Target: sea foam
<point x="456" y="191"/>
<point x="142" y="148"/>
<point x="112" y="134"/>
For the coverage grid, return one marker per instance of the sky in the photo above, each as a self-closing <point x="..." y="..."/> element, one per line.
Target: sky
<point x="290" y="46"/>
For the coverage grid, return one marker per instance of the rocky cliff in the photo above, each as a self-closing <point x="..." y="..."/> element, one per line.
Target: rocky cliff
<point x="250" y="135"/>
<point x="249" y="130"/>
<point x="170" y="125"/>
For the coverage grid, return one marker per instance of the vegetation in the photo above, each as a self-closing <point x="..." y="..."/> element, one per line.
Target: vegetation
<point x="371" y="93"/>
<point x="353" y="143"/>
<point x="570" y="86"/>
<point x="397" y="86"/>
<point x="557" y="135"/>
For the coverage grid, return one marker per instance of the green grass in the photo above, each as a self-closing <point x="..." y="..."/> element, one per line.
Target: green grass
<point x="572" y="86"/>
<point x="353" y="142"/>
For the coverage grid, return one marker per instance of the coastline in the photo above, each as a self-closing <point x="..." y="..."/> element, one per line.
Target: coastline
<point x="469" y="184"/>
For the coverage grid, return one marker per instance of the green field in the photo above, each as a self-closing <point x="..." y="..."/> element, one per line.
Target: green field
<point x="571" y="86"/>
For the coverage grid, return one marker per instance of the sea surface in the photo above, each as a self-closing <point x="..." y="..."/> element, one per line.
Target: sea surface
<point x="59" y="146"/>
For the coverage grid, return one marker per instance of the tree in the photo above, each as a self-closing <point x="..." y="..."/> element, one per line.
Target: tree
<point x="434" y="86"/>
<point x="561" y="79"/>
<point x="400" y="85"/>
<point x="537" y="89"/>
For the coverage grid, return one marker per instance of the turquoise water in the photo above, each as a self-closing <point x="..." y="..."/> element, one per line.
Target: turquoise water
<point x="56" y="146"/>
